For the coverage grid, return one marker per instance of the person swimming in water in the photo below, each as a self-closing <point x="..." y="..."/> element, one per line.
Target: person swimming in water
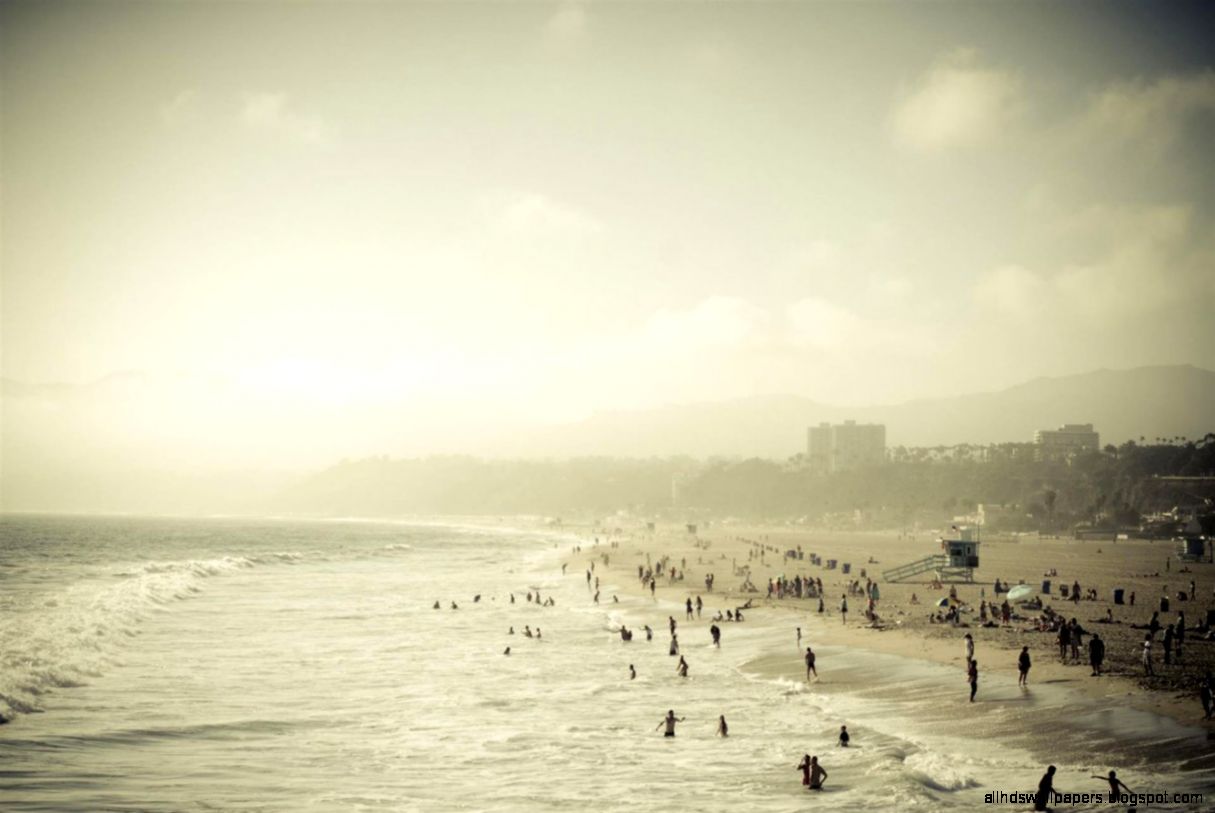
<point x="723" y="730"/>
<point x="669" y="721"/>
<point x="436" y="605"/>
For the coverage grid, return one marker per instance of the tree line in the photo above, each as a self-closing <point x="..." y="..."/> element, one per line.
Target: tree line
<point x="1114" y="487"/>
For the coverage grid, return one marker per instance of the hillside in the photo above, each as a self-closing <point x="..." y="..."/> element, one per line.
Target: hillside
<point x="1122" y="404"/>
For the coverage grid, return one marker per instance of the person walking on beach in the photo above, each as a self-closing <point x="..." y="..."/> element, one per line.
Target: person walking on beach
<point x="689" y="610"/>
<point x="844" y="609"/>
<point x="1168" y="644"/>
<point x="671" y="623"/>
<point x="723" y="730"/>
<point x="715" y="633"/>
<point x="1023" y="664"/>
<point x="1096" y="654"/>
<point x="970" y="647"/>
<point x="1064" y="638"/>
<point x="1147" y="656"/>
<point x="669" y="721"/>
<point x="810" y="665"/>
<point x="1077" y="638"/>
<point x="699" y="606"/>
<point x="799" y="637"/>
<point x="674" y="650"/>
<point x="1046" y="786"/>
<point x="972" y="676"/>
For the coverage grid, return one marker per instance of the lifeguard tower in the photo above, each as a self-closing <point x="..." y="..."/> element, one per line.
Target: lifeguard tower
<point x="956" y="562"/>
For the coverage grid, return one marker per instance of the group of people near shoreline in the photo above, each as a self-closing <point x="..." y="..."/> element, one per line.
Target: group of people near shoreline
<point x="1070" y="636"/>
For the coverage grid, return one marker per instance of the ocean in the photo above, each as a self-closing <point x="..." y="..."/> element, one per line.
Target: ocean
<point x="283" y="665"/>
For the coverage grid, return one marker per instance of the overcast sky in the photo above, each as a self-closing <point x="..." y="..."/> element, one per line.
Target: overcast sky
<point x="278" y="234"/>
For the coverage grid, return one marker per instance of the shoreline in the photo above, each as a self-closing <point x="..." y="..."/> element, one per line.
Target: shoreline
<point x="907" y="633"/>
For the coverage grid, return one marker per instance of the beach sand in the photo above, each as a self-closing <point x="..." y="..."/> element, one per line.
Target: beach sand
<point x="1134" y="565"/>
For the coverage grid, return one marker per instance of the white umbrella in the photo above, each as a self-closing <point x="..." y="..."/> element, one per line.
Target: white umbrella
<point x="1021" y="591"/>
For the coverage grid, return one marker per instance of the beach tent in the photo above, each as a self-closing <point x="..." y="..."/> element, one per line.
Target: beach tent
<point x="1020" y="592"/>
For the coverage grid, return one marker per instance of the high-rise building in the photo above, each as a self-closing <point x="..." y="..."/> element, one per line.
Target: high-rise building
<point x="845" y="446"/>
<point x="1067" y="440"/>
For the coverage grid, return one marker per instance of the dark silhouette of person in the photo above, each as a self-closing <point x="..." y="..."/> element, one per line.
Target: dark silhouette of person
<point x="1046" y="786"/>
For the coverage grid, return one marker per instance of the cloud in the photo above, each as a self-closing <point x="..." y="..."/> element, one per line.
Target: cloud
<point x="568" y="27"/>
<point x="270" y="113"/>
<point x="181" y="109"/>
<point x="533" y="216"/>
<point x="958" y="103"/>
<point x="1152" y="113"/>
<point x="1011" y="290"/>
<point x="1145" y="263"/>
<point x="817" y="324"/>
<point x="715" y="323"/>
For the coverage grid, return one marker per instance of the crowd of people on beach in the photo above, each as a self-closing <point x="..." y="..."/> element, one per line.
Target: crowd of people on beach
<point x="1069" y="634"/>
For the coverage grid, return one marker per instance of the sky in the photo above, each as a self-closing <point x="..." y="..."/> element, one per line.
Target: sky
<point x="274" y="235"/>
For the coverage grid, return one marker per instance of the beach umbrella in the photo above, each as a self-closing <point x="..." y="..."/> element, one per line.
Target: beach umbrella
<point x="942" y="602"/>
<point x="1020" y="592"/>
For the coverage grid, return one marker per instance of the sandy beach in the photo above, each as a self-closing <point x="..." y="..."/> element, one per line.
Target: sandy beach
<point x="1136" y="566"/>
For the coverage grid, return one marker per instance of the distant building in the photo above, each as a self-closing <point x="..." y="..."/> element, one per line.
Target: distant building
<point x="845" y="446"/>
<point x="1067" y="440"/>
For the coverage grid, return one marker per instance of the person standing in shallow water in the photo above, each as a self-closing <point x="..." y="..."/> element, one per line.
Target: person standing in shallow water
<point x="810" y="658"/>
<point x="1117" y="786"/>
<point x="1023" y="664"/>
<point x="972" y="675"/>
<point x="813" y="774"/>
<point x="844" y="609"/>
<point x="723" y="730"/>
<point x="669" y="721"/>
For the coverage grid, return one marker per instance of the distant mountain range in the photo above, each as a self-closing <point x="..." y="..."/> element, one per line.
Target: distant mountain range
<point x="1122" y="405"/>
